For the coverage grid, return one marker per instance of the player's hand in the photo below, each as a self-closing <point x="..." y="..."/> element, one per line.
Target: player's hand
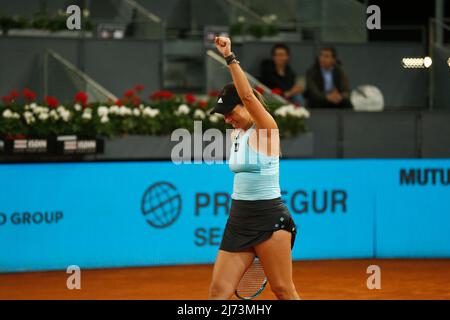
<point x="223" y="44"/>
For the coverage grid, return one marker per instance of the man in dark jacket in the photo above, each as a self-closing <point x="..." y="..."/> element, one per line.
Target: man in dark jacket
<point x="327" y="84"/>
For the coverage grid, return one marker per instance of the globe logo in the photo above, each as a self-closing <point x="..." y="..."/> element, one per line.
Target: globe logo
<point x="161" y="204"/>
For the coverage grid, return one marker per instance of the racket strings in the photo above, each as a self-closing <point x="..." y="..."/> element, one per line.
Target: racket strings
<point x="252" y="281"/>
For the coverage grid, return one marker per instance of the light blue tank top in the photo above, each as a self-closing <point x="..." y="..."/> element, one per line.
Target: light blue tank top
<point x="256" y="175"/>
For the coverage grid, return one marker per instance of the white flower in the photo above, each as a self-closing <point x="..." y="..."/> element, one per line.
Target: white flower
<point x="77" y="107"/>
<point x="53" y="114"/>
<point x="43" y="116"/>
<point x="281" y="111"/>
<point x="27" y="114"/>
<point x="33" y="105"/>
<point x="43" y="109"/>
<point x="136" y="112"/>
<point x="150" y="112"/>
<point x="302" y="113"/>
<point x="65" y="116"/>
<point x="29" y="117"/>
<point x="298" y="112"/>
<point x="87" y="116"/>
<point x="306" y="112"/>
<point x="64" y="113"/>
<point x="182" y="109"/>
<point x="241" y="19"/>
<point x="86" y="13"/>
<point x="214" y="118"/>
<point x="38" y="109"/>
<point x="114" y="109"/>
<point x="123" y="111"/>
<point x="293" y="111"/>
<point x="7" y="113"/>
<point x="27" y="107"/>
<point x="199" y="114"/>
<point x="104" y="119"/>
<point x="102" y="111"/>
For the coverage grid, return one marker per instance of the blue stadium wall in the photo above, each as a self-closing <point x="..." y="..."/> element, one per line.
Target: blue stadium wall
<point x="118" y="214"/>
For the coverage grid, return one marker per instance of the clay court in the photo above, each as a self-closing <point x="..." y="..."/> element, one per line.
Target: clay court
<point x="331" y="279"/>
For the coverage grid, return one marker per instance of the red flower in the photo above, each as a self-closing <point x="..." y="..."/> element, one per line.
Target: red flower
<point x="118" y="102"/>
<point x="81" y="97"/>
<point x="277" y="91"/>
<point x="29" y="95"/>
<point x="190" y="98"/>
<point x="136" y="101"/>
<point x="7" y="99"/>
<point x="129" y="93"/>
<point x="214" y="93"/>
<point x="14" y="94"/>
<point x="202" y="103"/>
<point x="259" y="89"/>
<point x="158" y="95"/>
<point x="15" y="136"/>
<point x="139" y="87"/>
<point x="52" y="101"/>
<point x="167" y="95"/>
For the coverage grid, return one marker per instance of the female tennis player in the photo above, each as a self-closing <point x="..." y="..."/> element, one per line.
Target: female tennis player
<point x="259" y="223"/>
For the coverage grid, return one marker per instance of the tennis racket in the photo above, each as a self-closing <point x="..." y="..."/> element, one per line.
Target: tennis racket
<point x="252" y="282"/>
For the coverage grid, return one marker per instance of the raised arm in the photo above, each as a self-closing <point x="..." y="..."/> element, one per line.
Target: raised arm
<point x="262" y="117"/>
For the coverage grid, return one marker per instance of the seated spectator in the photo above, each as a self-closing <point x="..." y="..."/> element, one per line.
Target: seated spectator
<point x="276" y="73"/>
<point x="327" y="84"/>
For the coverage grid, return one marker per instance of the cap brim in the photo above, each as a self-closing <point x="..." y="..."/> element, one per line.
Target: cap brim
<point x="222" y="109"/>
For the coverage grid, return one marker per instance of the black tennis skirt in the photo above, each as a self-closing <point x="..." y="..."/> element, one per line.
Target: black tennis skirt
<point x="253" y="221"/>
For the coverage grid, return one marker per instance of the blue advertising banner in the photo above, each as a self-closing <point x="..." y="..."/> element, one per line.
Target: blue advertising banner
<point x="413" y="209"/>
<point x="119" y="214"/>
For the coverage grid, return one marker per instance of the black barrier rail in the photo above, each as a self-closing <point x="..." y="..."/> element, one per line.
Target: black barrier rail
<point x="52" y="148"/>
<point x="332" y="134"/>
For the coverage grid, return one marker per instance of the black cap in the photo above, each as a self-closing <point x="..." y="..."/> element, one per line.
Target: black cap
<point x="227" y="100"/>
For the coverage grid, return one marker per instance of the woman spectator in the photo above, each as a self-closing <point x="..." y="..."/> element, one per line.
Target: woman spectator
<point x="278" y="74"/>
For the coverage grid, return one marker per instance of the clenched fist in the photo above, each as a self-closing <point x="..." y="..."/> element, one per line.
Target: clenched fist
<point x="223" y="44"/>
